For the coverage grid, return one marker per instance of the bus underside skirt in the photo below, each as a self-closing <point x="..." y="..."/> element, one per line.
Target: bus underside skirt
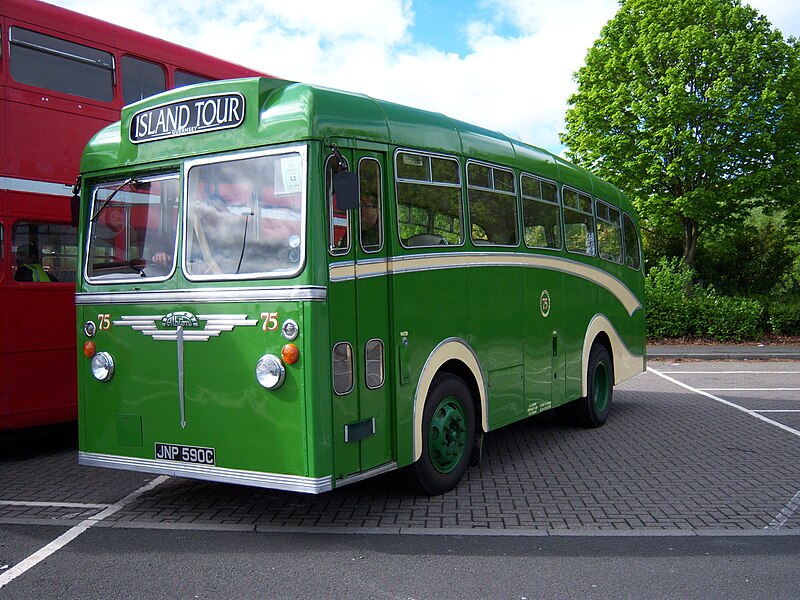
<point x="274" y="481"/>
<point x="366" y="474"/>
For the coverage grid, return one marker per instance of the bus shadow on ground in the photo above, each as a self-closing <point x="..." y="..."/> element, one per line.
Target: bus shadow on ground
<point x="24" y="444"/>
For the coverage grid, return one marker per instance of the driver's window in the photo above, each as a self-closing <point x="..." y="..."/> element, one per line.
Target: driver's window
<point x="338" y="223"/>
<point x="370" y="203"/>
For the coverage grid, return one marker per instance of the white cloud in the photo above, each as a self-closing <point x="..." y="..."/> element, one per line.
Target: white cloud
<point x="783" y="14"/>
<point x="516" y="76"/>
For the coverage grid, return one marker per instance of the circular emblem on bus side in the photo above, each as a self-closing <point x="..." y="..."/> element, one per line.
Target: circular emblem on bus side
<point x="544" y="303"/>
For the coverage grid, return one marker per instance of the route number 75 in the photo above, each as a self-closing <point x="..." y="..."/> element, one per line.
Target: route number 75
<point x="270" y="321"/>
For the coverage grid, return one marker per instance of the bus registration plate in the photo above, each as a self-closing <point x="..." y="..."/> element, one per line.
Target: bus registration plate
<point x="186" y="454"/>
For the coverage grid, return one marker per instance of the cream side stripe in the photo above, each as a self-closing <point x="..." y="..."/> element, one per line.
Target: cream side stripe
<point x="451" y="260"/>
<point x="31" y="186"/>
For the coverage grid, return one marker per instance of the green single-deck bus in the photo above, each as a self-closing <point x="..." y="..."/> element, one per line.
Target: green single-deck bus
<point x="296" y="288"/>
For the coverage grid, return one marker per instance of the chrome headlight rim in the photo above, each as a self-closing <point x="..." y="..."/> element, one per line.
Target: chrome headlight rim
<point x="290" y="329"/>
<point x="270" y="372"/>
<point x="103" y="366"/>
<point x="89" y="329"/>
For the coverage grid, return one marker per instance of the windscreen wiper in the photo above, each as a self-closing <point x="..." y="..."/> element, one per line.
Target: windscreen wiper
<point x="127" y="182"/>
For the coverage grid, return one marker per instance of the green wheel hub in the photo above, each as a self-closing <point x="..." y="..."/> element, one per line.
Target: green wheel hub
<point x="601" y="387"/>
<point x="447" y="436"/>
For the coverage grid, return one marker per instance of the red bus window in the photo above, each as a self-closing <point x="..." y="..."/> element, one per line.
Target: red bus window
<point x="56" y="64"/>
<point x="141" y="79"/>
<point x="184" y="78"/>
<point x="44" y="252"/>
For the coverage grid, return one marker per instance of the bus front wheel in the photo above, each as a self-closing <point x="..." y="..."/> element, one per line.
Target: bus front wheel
<point x="448" y="434"/>
<point x="593" y="410"/>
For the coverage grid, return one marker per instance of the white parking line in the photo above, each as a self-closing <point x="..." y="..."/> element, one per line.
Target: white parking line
<point x="52" y="504"/>
<point x="749" y="389"/>
<point x="786" y="513"/>
<point x="733" y="372"/>
<point x="65" y="538"/>
<point x="747" y="411"/>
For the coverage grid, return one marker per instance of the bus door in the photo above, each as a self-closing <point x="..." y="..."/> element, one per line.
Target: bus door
<point x="359" y="321"/>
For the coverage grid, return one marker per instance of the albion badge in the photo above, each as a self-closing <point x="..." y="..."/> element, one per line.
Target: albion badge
<point x="544" y="303"/>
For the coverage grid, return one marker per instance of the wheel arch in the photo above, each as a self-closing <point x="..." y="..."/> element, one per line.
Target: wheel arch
<point x="624" y="362"/>
<point x="454" y="356"/>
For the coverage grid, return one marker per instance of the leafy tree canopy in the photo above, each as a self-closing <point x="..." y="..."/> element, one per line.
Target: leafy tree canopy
<point x="690" y="107"/>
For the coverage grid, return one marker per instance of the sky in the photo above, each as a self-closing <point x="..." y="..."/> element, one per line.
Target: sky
<point x="506" y="65"/>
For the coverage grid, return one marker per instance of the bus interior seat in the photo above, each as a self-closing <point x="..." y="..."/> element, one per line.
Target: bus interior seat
<point x="426" y="239"/>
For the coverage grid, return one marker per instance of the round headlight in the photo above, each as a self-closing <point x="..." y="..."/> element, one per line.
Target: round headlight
<point x="102" y="366"/>
<point x="89" y="329"/>
<point x="290" y="329"/>
<point x="270" y="372"/>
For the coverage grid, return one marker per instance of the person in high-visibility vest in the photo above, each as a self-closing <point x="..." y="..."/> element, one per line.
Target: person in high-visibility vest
<point x="28" y="267"/>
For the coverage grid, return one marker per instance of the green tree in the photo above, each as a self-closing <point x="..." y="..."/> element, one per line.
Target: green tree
<point x="689" y="106"/>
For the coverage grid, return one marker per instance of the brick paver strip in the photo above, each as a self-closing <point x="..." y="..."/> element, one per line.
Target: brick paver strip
<point x="666" y="460"/>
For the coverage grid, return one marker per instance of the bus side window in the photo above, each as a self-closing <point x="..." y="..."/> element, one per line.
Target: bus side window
<point x="579" y="222"/>
<point x="338" y="222"/>
<point x="632" y="251"/>
<point x="44" y="252"/>
<point x="609" y="232"/>
<point x="48" y="62"/>
<point x="140" y="79"/>
<point x="492" y="199"/>
<point x="429" y="209"/>
<point x="540" y="212"/>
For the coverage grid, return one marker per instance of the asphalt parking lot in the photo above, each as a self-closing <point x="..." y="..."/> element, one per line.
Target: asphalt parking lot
<point x="693" y="448"/>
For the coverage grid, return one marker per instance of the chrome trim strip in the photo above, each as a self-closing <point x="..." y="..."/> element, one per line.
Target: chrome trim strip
<point x="366" y="474"/>
<point x="181" y="397"/>
<point x="298" y="293"/>
<point x="13" y="184"/>
<point x="456" y="260"/>
<point x="274" y="481"/>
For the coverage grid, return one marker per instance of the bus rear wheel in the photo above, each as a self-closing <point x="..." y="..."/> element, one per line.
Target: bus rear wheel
<point x="448" y="434"/>
<point x="593" y="410"/>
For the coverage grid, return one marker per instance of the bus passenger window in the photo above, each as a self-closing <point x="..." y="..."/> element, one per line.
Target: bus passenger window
<point x="609" y="232"/>
<point x="429" y="210"/>
<point x="374" y="367"/>
<point x="540" y="213"/>
<point x="342" y="368"/>
<point x="632" y="250"/>
<point x="51" y="63"/>
<point x="492" y="199"/>
<point x="579" y="222"/>
<point x="141" y="79"/>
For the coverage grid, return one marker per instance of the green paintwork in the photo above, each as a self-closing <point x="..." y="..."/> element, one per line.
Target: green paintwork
<point x="530" y="362"/>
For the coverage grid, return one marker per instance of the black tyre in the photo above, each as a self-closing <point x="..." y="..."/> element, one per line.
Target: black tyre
<point x="593" y="410"/>
<point x="448" y="434"/>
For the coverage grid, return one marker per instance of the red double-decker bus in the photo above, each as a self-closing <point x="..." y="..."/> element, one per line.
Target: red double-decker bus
<point x="63" y="76"/>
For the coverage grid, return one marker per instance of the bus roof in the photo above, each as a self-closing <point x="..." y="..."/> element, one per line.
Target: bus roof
<point x="280" y="111"/>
